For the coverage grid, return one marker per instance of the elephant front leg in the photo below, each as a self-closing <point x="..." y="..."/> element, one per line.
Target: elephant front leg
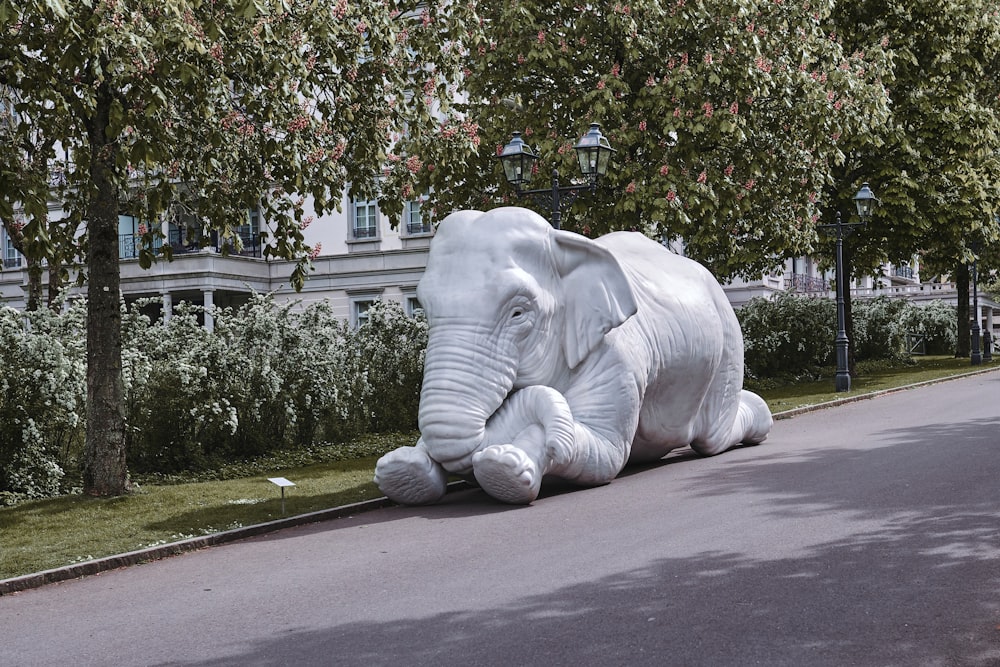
<point x="534" y="434"/>
<point x="512" y="472"/>
<point x="409" y="476"/>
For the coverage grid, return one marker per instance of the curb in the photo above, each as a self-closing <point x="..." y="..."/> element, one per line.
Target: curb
<point x="98" y="565"/>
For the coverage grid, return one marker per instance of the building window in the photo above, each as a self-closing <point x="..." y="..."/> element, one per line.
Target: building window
<point x="413" y="307"/>
<point x="365" y="219"/>
<point x="249" y="235"/>
<point x="416" y="221"/>
<point x="129" y="236"/>
<point x="11" y="257"/>
<point x="359" y="311"/>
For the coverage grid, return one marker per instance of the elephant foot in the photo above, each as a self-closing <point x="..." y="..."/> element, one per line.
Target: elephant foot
<point x="507" y="473"/>
<point x="410" y="477"/>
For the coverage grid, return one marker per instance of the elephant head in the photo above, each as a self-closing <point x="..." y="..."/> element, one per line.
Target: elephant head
<point x="510" y="303"/>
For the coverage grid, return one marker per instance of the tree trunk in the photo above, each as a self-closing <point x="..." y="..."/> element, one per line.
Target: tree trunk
<point x="962" y="349"/>
<point x="104" y="470"/>
<point x="55" y="281"/>
<point x="34" y="281"/>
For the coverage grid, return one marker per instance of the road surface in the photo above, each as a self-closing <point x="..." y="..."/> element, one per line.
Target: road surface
<point x="866" y="534"/>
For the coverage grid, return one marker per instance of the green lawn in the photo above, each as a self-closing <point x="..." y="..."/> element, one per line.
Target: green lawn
<point x="45" y="534"/>
<point x="814" y="393"/>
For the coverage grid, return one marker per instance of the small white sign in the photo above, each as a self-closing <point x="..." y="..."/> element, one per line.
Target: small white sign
<point x="280" y="481"/>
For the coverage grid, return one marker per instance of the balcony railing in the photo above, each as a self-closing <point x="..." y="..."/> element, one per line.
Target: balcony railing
<point x="418" y="228"/>
<point x="13" y="262"/>
<point x="903" y="272"/>
<point x="799" y="282"/>
<point x="129" y="245"/>
<point x="368" y="232"/>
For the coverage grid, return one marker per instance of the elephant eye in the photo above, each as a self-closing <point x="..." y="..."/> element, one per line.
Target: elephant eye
<point x="516" y="314"/>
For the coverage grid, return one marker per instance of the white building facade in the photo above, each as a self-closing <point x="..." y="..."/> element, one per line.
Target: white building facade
<point x="364" y="256"/>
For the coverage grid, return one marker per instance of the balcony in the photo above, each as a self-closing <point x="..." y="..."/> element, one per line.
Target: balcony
<point x="129" y="245"/>
<point x="801" y="283"/>
<point x="415" y="228"/>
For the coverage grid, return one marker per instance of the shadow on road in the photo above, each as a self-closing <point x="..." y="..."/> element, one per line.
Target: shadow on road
<point x="905" y="588"/>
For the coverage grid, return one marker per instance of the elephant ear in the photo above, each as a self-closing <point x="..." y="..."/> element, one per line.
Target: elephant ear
<point x="596" y="292"/>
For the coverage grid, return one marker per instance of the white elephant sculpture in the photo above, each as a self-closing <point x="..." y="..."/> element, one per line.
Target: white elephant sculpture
<point x="550" y="354"/>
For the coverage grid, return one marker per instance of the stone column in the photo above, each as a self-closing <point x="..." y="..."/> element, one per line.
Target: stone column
<point x="168" y="306"/>
<point x="209" y="309"/>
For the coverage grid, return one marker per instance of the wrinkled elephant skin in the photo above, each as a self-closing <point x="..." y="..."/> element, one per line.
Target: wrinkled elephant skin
<point x="552" y="355"/>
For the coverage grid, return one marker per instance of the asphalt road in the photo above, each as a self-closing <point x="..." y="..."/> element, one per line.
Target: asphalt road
<point x="866" y="534"/>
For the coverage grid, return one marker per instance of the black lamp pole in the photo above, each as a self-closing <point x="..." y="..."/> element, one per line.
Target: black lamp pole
<point x="864" y="200"/>
<point x="518" y="160"/>
<point x="977" y="356"/>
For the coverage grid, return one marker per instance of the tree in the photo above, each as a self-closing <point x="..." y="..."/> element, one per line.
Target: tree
<point x="935" y="164"/>
<point x="727" y="116"/>
<point x="214" y="107"/>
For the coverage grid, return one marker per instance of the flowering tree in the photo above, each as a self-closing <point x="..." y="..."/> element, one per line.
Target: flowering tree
<point x="935" y="163"/>
<point x="727" y="116"/>
<point x="211" y="107"/>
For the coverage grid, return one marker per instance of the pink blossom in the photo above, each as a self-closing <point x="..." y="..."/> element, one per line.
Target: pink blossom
<point x="664" y="170"/>
<point x="728" y="171"/>
<point x="413" y="164"/>
<point x="650" y="80"/>
<point x="708" y="108"/>
<point x="630" y="188"/>
<point x="671" y="195"/>
<point x="314" y="253"/>
<point x="734" y="108"/>
<point x="642" y="126"/>
<point x="601" y="85"/>
<point x="541" y="36"/>
<point x="703" y="176"/>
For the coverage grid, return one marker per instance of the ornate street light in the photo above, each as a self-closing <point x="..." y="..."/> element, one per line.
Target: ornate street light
<point x="593" y="153"/>
<point x="864" y="200"/>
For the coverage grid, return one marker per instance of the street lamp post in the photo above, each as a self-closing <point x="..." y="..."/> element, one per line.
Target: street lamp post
<point x="977" y="356"/>
<point x="593" y="152"/>
<point x="864" y="200"/>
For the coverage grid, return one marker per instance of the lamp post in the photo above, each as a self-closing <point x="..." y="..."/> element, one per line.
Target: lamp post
<point x="593" y="152"/>
<point x="977" y="356"/>
<point x="863" y="200"/>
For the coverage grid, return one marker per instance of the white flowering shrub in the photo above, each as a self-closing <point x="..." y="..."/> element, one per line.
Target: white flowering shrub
<point x="392" y="347"/>
<point x="42" y="391"/>
<point x="937" y="322"/>
<point x="878" y="328"/>
<point x="177" y="408"/>
<point x="789" y="337"/>
<point x="268" y="378"/>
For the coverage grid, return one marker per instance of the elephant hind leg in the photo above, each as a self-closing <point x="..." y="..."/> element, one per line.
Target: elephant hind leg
<point x="752" y="424"/>
<point x="409" y="476"/>
<point x="753" y="421"/>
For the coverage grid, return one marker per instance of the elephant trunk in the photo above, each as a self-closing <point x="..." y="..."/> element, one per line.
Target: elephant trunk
<point x="463" y="386"/>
